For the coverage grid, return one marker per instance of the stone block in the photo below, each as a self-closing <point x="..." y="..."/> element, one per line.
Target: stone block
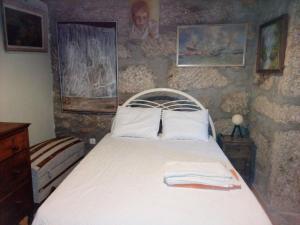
<point x="193" y="12"/>
<point x="279" y="218"/>
<point x="124" y="52"/>
<point x="183" y="78"/>
<point x="264" y="83"/>
<point x="267" y="84"/>
<point x="235" y="102"/>
<point x="278" y="112"/>
<point x="135" y="79"/>
<point x="165" y="45"/>
<point x="224" y="126"/>
<point x="289" y="84"/>
<point x="177" y="13"/>
<point x="285" y="175"/>
<point x="206" y="101"/>
<point x="261" y="184"/>
<point x="263" y="150"/>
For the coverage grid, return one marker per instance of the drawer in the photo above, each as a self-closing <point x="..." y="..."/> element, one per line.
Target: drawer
<point x="241" y="165"/>
<point x="16" y="205"/>
<point x="14" y="171"/>
<point x="13" y="144"/>
<point x="237" y="151"/>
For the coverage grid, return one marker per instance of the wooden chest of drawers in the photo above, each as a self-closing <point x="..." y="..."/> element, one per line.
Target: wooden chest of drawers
<point x="16" y="200"/>
<point x="241" y="153"/>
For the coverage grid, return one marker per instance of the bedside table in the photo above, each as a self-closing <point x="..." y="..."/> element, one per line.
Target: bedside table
<point x="241" y="153"/>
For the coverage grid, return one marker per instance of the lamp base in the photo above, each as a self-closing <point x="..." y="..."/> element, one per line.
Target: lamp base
<point x="237" y="127"/>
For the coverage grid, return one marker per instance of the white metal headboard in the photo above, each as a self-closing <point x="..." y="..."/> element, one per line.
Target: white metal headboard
<point x="188" y="103"/>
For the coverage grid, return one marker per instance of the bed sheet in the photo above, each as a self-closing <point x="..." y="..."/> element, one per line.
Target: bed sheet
<point x="120" y="182"/>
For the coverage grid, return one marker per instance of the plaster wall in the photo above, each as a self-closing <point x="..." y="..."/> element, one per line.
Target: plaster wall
<point x="26" y="88"/>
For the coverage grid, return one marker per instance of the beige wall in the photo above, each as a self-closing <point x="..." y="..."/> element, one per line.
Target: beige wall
<point x="26" y="91"/>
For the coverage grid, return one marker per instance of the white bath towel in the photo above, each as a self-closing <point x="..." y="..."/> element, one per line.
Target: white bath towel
<point x="203" y="173"/>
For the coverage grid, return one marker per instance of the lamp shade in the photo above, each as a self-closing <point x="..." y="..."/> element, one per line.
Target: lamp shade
<point x="237" y="119"/>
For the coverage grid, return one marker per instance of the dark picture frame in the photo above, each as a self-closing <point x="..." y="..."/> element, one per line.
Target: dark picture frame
<point x="271" y="46"/>
<point x="88" y="66"/>
<point x="25" y="29"/>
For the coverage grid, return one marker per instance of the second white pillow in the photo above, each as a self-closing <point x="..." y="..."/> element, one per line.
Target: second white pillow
<point x="185" y="125"/>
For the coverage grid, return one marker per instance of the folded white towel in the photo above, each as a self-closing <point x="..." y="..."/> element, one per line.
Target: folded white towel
<point x="207" y="173"/>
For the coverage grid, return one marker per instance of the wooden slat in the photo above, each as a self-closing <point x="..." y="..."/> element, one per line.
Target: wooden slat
<point x="48" y="149"/>
<point x="41" y="164"/>
<point x="106" y="105"/>
<point x="61" y="173"/>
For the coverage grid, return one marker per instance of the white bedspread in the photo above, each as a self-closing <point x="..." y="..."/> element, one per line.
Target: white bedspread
<point x="120" y="182"/>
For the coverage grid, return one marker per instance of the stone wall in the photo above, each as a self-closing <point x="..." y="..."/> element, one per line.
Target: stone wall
<point x="151" y="63"/>
<point x="275" y="123"/>
<point x="270" y="104"/>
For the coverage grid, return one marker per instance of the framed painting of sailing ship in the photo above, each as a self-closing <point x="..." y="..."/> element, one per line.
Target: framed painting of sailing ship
<point x="211" y="45"/>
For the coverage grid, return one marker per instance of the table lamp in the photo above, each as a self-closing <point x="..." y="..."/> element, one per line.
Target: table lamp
<point x="237" y="120"/>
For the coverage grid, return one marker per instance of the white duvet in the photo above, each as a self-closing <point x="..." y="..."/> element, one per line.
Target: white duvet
<point x="120" y="182"/>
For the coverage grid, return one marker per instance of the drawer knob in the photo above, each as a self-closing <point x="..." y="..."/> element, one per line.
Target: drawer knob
<point x="18" y="202"/>
<point x="16" y="172"/>
<point x="15" y="148"/>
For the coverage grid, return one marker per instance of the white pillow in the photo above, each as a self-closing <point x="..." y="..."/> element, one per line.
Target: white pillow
<point x="185" y="125"/>
<point x="136" y="122"/>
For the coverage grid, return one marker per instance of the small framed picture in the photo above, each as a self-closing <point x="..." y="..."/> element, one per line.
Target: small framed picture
<point x="24" y="29"/>
<point x="272" y="45"/>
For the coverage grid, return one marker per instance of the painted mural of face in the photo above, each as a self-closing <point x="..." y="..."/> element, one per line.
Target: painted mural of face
<point x="140" y="14"/>
<point x="142" y="27"/>
<point x="141" y="18"/>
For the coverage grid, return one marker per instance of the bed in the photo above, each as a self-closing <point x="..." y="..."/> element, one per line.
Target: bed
<point x="120" y="182"/>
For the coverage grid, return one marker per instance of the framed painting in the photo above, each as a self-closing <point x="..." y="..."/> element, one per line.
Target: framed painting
<point x="211" y="45"/>
<point x="272" y="45"/>
<point x="88" y="66"/>
<point x="25" y="29"/>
